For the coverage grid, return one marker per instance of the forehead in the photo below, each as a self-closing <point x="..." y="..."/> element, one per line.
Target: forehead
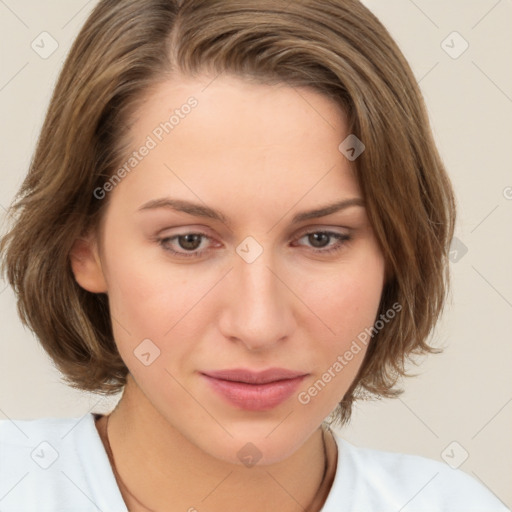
<point x="212" y="135"/>
<point x="227" y="113"/>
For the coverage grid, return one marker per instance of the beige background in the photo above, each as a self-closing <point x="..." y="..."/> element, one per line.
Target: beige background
<point x="463" y="395"/>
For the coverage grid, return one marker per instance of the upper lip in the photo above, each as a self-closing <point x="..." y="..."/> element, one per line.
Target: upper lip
<point x="255" y="377"/>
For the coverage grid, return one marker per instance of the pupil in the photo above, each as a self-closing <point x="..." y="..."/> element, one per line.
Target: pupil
<point x="319" y="237"/>
<point x="190" y="242"/>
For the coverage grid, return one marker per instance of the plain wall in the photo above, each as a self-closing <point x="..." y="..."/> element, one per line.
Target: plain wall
<point x="463" y="395"/>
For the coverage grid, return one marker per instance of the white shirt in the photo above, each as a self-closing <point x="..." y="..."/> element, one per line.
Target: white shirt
<point x="60" y="464"/>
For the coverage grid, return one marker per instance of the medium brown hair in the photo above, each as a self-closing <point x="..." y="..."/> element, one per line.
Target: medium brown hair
<point x="336" y="47"/>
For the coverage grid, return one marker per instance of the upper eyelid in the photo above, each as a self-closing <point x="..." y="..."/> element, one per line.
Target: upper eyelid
<point x="300" y="234"/>
<point x="204" y="230"/>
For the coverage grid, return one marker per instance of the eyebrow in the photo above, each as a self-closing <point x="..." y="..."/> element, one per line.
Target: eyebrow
<point x="198" y="210"/>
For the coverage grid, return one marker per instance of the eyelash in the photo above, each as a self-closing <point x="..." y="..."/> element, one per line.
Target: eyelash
<point x="342" y="238"/>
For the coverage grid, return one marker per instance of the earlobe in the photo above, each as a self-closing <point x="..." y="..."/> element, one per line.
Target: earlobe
<point x="86" y="265"/>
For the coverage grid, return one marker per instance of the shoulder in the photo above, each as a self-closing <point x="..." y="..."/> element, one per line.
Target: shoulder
<point x="54" y="464"/>
<point x="381" y="481"/>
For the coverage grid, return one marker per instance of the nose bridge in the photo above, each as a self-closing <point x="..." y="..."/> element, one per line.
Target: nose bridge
<point x="257" y="312"/>
<point x="259" y="283"/>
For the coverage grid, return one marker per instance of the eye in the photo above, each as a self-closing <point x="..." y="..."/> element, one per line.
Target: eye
<point x="195" y="245"/>
<point x="326" y="242"/>
<point x="189" y="243"/>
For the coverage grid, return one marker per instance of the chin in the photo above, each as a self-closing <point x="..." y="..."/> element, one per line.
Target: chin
<point x="261" y="451"/>
<point x="258" y="443"/>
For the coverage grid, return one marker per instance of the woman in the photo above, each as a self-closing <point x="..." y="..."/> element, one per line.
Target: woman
<point x="237" y="215"/>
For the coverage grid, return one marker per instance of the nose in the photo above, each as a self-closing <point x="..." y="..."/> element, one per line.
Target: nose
<point x="257" y="307"/>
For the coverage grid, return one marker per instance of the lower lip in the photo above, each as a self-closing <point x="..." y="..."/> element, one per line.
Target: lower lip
<point x="255" y="397"/>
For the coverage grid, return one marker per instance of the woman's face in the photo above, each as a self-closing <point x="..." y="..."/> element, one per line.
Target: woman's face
<point x="217" y="268"/>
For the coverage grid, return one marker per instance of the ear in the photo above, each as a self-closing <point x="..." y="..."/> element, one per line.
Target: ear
<point x="86" y="265"/>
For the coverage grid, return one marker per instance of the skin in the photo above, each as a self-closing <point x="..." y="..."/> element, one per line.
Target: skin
<point x="259" y="154"/>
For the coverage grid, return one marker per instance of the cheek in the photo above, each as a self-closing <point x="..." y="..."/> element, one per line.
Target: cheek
<point x="140" y="302"/>
<point x="147" y="295"/>
<point x="346" y="300"/>
<point x="150" y="319"/>
<point x="348" y="304"/>
<point x="158" y="311"/>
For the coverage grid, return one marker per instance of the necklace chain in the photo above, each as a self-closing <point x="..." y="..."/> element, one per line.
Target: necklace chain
<point x="118" y="476"/>
<point x="122" y="484"/>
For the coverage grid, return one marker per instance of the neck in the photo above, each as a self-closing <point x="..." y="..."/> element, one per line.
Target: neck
<point x="155" y="465"/>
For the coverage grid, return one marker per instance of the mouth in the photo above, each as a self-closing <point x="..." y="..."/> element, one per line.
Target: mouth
<point x="254" y="391"/>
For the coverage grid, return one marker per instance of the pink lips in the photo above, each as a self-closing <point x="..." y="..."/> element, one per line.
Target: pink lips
<point x="255" y="391"/>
